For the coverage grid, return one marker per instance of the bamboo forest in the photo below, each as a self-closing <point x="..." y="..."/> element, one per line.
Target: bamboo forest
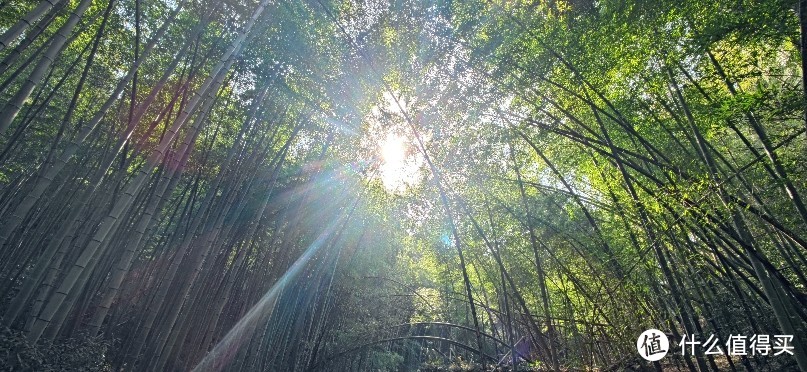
<point x="403" y="185"/>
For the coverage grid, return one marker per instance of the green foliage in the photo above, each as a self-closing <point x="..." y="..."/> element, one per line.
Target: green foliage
<point x="602" y="166"/>
<point x="73" y="354"/>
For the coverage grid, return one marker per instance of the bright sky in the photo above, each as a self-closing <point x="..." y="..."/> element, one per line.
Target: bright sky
<point x="387" y="136"/>
<point x="400" y="163"/>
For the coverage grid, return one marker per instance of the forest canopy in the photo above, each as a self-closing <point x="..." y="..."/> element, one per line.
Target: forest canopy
<point x="395" y="185"/>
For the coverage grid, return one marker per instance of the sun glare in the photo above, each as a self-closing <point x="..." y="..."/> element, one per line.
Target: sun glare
<point x="398" y="168"/>
<point x="392" y="150"/>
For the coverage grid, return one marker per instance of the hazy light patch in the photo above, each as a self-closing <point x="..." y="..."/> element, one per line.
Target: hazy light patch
<point x="400" y="163"/>
<point x="387" y="142"/>
<point x="395" y="106"/>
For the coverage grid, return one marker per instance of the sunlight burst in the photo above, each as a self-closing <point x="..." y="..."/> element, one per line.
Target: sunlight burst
<point x="398" y="168"/>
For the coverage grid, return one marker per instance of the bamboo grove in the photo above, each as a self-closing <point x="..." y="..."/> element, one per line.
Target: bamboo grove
<point x="400" y="185"/>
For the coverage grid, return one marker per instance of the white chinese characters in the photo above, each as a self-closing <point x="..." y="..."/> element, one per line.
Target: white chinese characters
<point x="738" y="345"/>
<point x="653" y="345"/>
